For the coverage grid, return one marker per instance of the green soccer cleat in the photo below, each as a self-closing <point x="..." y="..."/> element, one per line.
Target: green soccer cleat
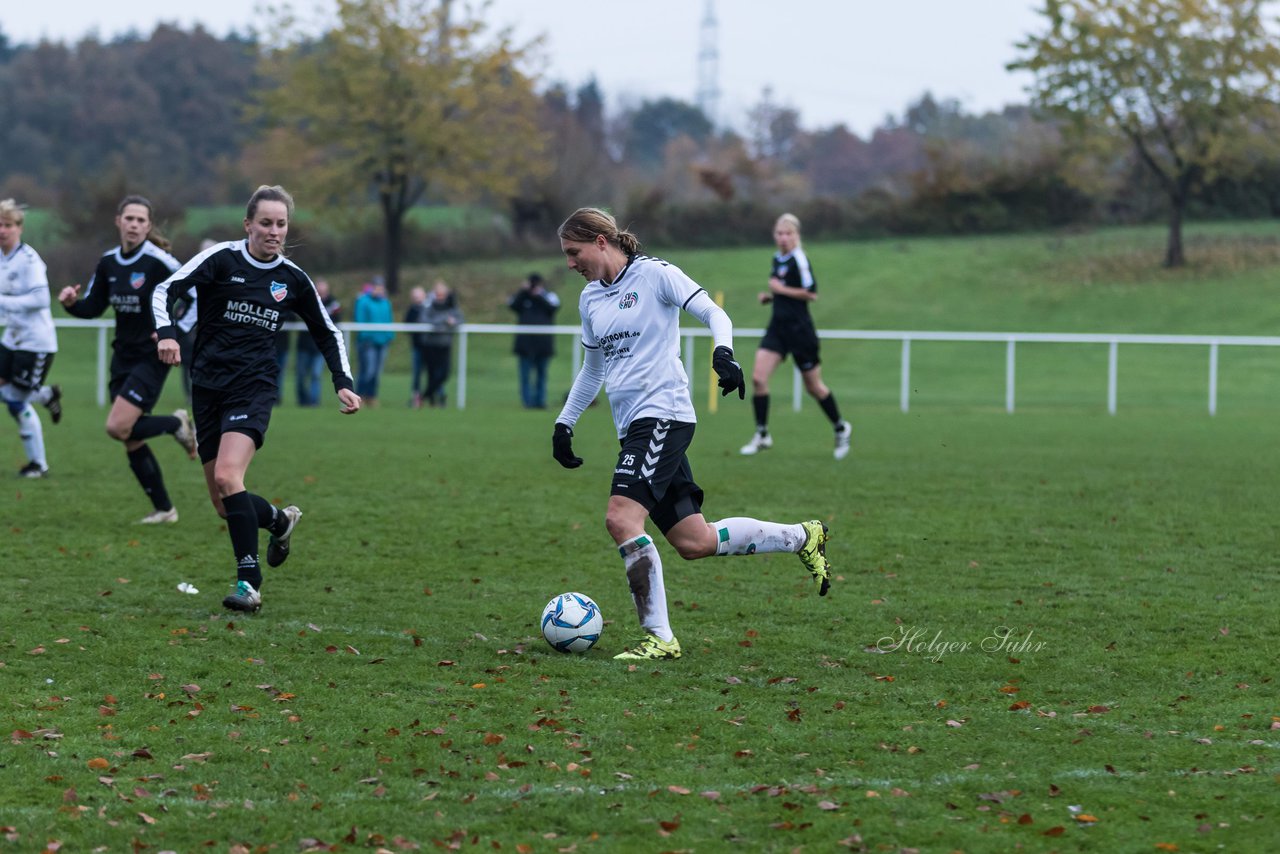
<point x="814" y="554"/>
<point x="651" y="649"/>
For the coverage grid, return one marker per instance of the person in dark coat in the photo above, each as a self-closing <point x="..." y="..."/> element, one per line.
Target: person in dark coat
<point x="534" y="305"/>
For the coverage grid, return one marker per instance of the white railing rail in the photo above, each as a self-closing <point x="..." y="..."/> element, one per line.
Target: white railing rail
<point x="1009" y="339"/>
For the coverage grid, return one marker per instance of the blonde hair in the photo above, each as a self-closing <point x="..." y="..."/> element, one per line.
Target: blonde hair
<point x="12" y="211"/>
<point x="791" y="220"/>
<point x="585" y="224"/>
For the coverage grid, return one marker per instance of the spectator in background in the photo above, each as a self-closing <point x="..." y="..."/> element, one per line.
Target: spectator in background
<point x="417" y="313"/>
<point x="534" y="305"/>
<point x="443" y="317"/>
<point x="372" y="306"/>
<point x="307" y="358"/>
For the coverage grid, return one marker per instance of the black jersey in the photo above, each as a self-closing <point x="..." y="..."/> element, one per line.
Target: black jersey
<point x="126" y="282"/>
<point x="794" y="271"/>
<point x="240" y="304"/>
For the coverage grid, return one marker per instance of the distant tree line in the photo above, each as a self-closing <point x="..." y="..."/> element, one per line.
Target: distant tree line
<point x="433" y="113"/>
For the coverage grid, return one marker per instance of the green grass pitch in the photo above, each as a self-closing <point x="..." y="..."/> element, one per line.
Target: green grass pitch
<point x="1082" y="605"/>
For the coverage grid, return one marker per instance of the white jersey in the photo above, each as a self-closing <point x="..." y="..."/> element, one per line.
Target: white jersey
<point x="635" y="324"/>
<point x="24" y="302"/>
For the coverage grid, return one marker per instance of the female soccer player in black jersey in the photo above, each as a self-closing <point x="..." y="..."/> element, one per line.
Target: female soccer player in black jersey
<point x="243" y="289"/>
<point x="791" y="289"/>
<point x="124" y="279"/>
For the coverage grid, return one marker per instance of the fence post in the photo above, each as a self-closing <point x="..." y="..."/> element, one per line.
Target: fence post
<point x="102" y="366"/>
<point x="904" y="393"/>
<point x="688" y="359"/>
<point x="462" y="368"/>
<point x="1008" y="375"/>
<point x="1112" y="355"/>
<point x="1213" y="378"/>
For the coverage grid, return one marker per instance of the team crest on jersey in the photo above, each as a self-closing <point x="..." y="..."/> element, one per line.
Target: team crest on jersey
<point x="137" y="280"/>
<point x="279" y="290"/>
<point x="629" y="300"/>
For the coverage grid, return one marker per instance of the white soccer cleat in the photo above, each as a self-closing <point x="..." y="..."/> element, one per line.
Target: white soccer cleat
<point x="160" y="517"/>
<point x="242" y="598"/>
<point x="759" y="442"/>
<point x="844" y="434"/>
<point x="278" y="546"/>
<point x="186" y="433"/>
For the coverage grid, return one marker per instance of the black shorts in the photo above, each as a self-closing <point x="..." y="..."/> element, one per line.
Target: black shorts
<point x="800" y="341"/>
<point x="245" y="409"/>
<point x="23" y="368"/>
<point x="140" y="383"/>
<point x="653" y="469"/>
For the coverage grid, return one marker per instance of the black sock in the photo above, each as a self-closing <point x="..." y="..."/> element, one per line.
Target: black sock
<point x="153" y="425"/>
<point x="267" y="515"/>
<point x="242" y="525"/>
<point x="760" y="403"/>
<point x="828" y="405"/>
<point x="147" y="471"/>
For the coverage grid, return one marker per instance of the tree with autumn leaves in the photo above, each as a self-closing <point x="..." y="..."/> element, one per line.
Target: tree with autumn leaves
<point x="1187" y="83"/>
<point x="397" y="99"/>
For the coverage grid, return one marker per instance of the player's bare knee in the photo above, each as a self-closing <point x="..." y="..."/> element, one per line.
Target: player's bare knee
<point x="119" y="432"/>
<point x="617" y="526"/>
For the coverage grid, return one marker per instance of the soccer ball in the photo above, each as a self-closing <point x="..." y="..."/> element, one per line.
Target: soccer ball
<point x="571" y="622"/>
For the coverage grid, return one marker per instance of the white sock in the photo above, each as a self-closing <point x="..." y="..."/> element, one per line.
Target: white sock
<point x="739" y="535"/>
<point x="32" y="434"/>
<point x="644" y="575"/>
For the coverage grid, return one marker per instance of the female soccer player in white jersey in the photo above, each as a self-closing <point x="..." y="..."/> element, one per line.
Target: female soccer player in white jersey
<point x="791" y="288"/>
<point x="30" y="340"/>
<point x="124" y="280"/>
<point x="243" y="289"/>
<point x="630" y="310"/>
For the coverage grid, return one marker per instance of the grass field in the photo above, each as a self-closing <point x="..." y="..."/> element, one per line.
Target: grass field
<point x="1082" y="608"/>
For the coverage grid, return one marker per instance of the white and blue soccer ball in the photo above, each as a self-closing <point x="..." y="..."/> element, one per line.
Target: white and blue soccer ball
<point x="571" y="622"/>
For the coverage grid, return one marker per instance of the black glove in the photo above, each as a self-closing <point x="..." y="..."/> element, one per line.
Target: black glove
<point x="562" y="446"/>
<point x="729" y="371"/>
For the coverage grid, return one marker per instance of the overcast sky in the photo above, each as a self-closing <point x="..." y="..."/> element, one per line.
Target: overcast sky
<point x="850" y="62"/>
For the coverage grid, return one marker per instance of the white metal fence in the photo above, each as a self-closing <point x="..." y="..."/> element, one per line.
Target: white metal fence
<point x="1011" y="340"/>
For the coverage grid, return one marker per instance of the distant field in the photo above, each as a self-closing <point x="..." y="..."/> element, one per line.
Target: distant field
<point x="1082" y="604"/>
